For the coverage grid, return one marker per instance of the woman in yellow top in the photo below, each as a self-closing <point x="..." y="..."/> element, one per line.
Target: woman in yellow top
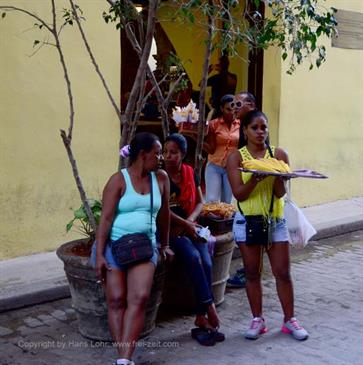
<point x="254" y="193"/>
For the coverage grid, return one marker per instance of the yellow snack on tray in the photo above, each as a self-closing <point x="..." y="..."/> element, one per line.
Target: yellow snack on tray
<point x="222" y="210"/>
<point x="266" y="164"/>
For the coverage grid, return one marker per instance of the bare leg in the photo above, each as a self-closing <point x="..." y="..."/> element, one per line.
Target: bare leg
<point x="212" y="316"/>
<point x="116" y="289"/>
<point x="139" y="282"/>
<point x="252" y="261"/>
<point x="201" y="321"/>
<point x="279" y="255"/>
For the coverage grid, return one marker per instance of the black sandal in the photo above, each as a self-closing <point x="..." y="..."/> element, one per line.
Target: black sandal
<point x="203" y="336"/>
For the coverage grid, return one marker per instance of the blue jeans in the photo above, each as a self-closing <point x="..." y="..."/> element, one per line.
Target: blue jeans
<point x="217" y="184"/>
<point x="198" y="264"/>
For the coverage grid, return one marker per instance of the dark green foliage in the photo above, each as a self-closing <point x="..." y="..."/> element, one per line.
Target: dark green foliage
<point x="295" y="26"/>
<point x="80" y="217"/>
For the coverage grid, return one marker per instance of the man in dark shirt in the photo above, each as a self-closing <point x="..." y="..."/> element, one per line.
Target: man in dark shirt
<point x="222" y="83"/>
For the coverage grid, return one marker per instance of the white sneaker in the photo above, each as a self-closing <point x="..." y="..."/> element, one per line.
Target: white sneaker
<point x="293" y="327"/>
<point x="257" y="328"/>
<point x="124" y="362"/>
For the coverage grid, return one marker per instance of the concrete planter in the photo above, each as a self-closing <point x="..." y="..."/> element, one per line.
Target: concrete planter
<point x="88" y="297"/>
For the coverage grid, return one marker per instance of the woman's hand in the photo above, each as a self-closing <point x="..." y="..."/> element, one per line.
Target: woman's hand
<point x="101" y="269"/>
<point x="258" y="177"/>
<point x="166" y="253"/>
<point x="190" y="230"/>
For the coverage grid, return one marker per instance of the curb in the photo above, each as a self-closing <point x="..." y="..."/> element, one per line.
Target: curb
<point x="33" y="298"/>
<point x="337" y="230"/>
<point x="325" y="232"/>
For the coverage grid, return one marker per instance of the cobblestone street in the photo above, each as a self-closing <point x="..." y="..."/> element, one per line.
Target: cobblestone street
<point x="329" y="300"/>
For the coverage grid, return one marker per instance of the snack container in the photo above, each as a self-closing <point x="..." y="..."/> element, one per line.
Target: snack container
<point x="216" y="225"/>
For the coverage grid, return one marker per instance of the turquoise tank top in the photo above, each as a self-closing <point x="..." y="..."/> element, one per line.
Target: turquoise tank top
<point x="132" y="213"/>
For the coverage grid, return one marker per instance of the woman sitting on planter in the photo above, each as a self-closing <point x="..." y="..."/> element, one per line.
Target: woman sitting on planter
<point x="186" y="202"/>
<point x="125" y="210"/>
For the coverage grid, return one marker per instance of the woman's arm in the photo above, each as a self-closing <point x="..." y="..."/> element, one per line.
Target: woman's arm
<point x="240" y="190"/>
<point x="112" y="193"/>
<point x="210" y="144"/>
<point x="187" y="226"/>
<point x="163" y="218"/>
<point x="279" y="184"/>
<point x="198" y="205"/>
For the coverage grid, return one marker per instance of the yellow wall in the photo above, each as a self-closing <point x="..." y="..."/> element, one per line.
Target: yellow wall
<point x="38" y="192"/>
<point x="320" y="119"/>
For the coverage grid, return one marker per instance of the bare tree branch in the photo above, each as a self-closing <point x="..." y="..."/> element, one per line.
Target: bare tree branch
<point x="65" y="71"/>
<point x="139" y="106"/>
<point x="14" y="8"/>
<point x="153" y="4"/>
<point x="67" y="139"/>
<point x="77" y="178"/>
<point x="94" y="62"/>
<point x="159" y="95"/>
<point x="203" y="86"/>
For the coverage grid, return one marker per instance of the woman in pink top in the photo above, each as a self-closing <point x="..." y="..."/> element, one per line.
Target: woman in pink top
<point x="221" y="141"/>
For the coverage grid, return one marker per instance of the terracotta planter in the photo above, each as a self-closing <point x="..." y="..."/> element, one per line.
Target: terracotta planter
<point x="178" y="292"/>
<point x="88" y="298"/>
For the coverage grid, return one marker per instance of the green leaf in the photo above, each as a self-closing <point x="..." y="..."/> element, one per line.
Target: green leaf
<point x="36" y="42"/>
<point x="3" y="15"/>
<point x="191" y="18"/>
<point x="80" y="213"/>
<point x="284" y="56"/>
<point x="69" y="225"/>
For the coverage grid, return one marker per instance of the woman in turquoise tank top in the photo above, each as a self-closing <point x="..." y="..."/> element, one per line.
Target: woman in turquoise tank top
<point x="126" y="209"/>
<point x="254" y="193"/>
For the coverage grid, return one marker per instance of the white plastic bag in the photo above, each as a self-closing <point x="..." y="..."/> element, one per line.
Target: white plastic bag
<point x="299" y="228"/>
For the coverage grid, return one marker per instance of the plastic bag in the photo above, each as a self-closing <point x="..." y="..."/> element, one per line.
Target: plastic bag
<point x="299" y="228"/>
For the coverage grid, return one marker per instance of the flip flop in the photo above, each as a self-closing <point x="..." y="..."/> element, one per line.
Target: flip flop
<point x="218" y="336"/>
<point x="203" y="336"/>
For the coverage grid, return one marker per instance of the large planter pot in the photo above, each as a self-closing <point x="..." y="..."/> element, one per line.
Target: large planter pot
<point x="178" y="292"/>
<point x="88" y="297"/>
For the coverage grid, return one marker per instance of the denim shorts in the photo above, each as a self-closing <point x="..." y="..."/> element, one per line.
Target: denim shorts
<point x="279" y="230"/>
<point x="111" y="259"/>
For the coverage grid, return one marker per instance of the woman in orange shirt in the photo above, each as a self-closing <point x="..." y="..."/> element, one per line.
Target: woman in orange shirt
<point x="221" y="141"/>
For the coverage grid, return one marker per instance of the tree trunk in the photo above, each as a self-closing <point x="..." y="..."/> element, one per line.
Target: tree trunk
<point x="203" y="85"/>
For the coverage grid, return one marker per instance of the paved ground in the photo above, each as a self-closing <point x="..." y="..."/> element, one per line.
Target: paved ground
<point x="329" y="301"/>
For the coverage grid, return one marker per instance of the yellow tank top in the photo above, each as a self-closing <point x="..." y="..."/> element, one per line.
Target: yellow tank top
<point x="259" y="201"/>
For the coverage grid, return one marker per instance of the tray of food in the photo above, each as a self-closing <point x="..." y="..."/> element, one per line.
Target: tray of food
<point x="218" y="217"/>
<point x="274" y="167"/>
<point x="296" y="173"/>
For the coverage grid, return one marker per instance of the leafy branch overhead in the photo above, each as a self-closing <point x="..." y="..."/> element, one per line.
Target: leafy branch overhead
<point x="294" y="26"/>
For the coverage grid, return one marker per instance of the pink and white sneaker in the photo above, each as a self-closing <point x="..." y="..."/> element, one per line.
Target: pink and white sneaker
<point x="256" y="329"/>
<point x="293" y="327"/>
